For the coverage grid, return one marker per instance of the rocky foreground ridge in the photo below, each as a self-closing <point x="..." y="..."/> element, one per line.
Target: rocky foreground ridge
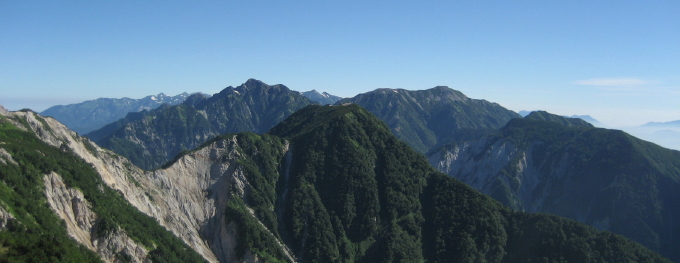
<point x="176" y="196"/>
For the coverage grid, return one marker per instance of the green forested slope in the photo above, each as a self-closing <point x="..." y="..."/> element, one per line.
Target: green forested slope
<point x="605" y="178"/>
<point x="332" y="184"/>
<point x="347" y="190"/>
<point x="426" y="118"/>
<point x="38" y="235"/>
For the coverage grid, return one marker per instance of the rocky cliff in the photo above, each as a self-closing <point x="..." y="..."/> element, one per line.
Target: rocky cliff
<point x="81" y="222"/>
<point x="188" y="198"/>
<point x="138" y="188"/>
<point x="605" y="178"/>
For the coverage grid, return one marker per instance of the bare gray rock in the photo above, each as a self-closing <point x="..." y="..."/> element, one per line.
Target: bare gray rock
<point x="71" y="206"/>
<point x="188" y="198"/>
<point x="5" y="217"/>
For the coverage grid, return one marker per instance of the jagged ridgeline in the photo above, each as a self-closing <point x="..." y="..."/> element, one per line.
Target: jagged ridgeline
<point x="322" y="98"/>
<point x="91" y="115"/>
<point x="332" y="184"/>
<point x="426" y="118"/>
<point x="423" y="118"/>
<point x="151" y="138"/>
<point x="564" y="166"/>
<point x="37" y="179"/>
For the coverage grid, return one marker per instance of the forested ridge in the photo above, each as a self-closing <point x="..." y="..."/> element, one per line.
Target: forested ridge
<point x="562" y="166"/>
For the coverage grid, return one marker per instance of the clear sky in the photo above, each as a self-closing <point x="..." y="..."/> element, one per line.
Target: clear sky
<point x="618" y="61"/>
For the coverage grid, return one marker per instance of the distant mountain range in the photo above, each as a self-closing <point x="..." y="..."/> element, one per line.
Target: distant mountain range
<point x="422" y="118"/>
<point x="151" y="138"/>
<point x="322" y="98"/>
<point x="90" y="115"/>
<point x="329" y="183"/>
<point x="666" y="134"/>
<point x="426" y="118"/>
<point x="605" y="178"/>
<point x="670" y="124"/>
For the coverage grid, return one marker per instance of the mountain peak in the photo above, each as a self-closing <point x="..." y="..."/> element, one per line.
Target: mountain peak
<point x="322" y="98"/>
<point x="254" y="83"/>
<point x="449" y="93"/>
<point x="195" y="99"/>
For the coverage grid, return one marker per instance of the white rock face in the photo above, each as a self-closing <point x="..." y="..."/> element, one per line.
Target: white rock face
<point x="6" y="158"/>
<point x="481" y="163"/>
<point x="5" y="217"/>
<point x="3" y="111"/>
<point x="188" y="198"/>
<point x="474" y="162"/>
<point x="71" y="206"/>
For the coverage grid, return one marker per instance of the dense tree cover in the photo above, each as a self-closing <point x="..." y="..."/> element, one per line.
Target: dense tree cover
<point x="38" y="235"/>
<point x="349" y="191"/>
<point x="150" y="139"/>
<point x="251" y="236"/>
<point x="605" y="178"/>
<point x="548" y="238"/>
<point x="350" y="181"/>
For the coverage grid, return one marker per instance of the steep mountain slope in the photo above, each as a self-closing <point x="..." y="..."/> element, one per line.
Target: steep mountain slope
<point x="329" y="184"/>
<point x="151" y="138"/>
<point x="425" y="118"/>
<point x="91" y="115"/>
<point x="52" y="200"/>
<point x="605" y="178"/>
<point x="356" y="192"/>
<point x="321" y="98"/>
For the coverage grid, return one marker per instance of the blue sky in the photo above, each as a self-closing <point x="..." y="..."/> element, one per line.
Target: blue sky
<point x="618" y="61"/>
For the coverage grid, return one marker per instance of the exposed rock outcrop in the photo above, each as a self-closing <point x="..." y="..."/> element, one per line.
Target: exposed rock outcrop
<point x="188" y="198"/>
<point x="5" y="157"/>
<point x="5" y="217"/>
<point x="81" y="222"/>
<point x="500" y="169"/>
